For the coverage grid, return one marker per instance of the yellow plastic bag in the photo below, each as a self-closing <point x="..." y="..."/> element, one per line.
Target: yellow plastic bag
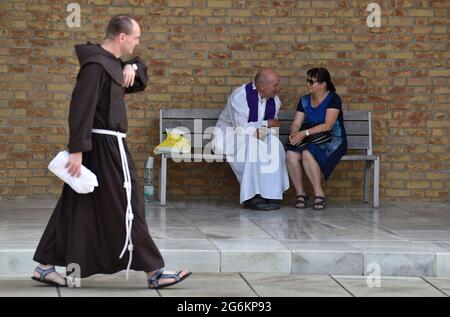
<point x="174" y="143"/>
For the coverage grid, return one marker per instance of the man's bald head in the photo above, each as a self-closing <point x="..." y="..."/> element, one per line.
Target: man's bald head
<point x="120" y="23"/>
<point x="266" y="82"/>
<point x="264" y="75"/>
<point x="122" y="34"/>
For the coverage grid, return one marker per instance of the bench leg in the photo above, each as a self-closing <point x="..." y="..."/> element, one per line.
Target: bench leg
<point x="367" y="181"/>
<point x="163" y="180"/>
<point x="376" y="184"/>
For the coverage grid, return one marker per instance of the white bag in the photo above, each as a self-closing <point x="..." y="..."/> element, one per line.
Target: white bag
<point x="82" y="185"/>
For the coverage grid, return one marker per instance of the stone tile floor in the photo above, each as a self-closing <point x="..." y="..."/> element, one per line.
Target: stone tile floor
<point x="239" y="252"/>
<point x="235" y="285"/>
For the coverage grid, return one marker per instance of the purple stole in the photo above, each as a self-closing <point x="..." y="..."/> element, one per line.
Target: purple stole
<point x="252" y="101"/>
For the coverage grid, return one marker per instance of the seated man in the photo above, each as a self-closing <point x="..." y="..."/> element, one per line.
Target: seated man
<point x="246" y="132"/>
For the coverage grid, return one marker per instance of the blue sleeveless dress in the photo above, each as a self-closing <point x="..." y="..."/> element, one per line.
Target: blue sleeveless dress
<point x="327" y="154"/>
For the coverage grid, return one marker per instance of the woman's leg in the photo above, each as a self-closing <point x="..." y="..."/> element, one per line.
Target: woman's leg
<point x="312" y="170"/>
<point x="295" y="169"/>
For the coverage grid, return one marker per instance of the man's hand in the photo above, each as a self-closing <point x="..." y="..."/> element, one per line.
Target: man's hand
<point x="273" y="123"/>
<point x="128" y="76"/>
<point x="296" y="137"/>
<point x="74" y="164"/>
<point x="261" y="132"/>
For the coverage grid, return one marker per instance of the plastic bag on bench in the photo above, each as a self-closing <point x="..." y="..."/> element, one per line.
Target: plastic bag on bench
<point x="174" y="143"/>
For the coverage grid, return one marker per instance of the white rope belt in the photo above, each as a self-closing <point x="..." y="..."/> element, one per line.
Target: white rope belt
<point x="127" y="185"/>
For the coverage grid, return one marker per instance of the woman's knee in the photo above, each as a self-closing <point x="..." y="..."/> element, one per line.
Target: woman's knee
<point x="307" y="156"/>
<point x="293" y="157"/>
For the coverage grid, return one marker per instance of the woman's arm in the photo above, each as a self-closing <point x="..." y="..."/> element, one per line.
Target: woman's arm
<point x="330" y="119"/>
<point x="296" y="136"/>
<point x="331" y="115"/>
<point x="297" y="123"/>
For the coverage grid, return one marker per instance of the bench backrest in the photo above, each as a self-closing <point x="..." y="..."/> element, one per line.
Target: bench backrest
<point x="358" y="125"/>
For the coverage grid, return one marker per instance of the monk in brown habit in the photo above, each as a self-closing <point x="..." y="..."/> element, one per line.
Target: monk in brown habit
<point x="104" y="231"/>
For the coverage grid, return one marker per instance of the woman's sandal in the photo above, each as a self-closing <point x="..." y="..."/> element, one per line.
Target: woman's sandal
<point x="153" y="282"/>
<point x="319" y="203"/>
<point x="42" y="277"/>
<point x="301" y="199"/>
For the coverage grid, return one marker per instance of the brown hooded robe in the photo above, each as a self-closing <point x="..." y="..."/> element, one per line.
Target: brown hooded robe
<point x="89" y="229"/>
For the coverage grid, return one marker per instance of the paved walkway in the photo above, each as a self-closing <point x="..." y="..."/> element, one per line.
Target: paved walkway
<point x="399" y="239"/>
<point x="236" y="285"/>
<point x="238" y="252"/>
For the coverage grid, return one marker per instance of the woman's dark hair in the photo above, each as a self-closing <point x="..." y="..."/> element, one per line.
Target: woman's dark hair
<point x="120" y="23"/>
<point x="321" y="75"/>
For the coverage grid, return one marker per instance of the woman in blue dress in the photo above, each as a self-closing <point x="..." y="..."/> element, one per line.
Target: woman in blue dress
<point x="322" y="109"/>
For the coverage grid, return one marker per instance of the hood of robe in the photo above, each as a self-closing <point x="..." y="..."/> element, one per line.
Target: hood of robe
<point x="94" y="53"/>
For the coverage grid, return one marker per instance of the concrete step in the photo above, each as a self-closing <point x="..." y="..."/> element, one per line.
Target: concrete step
<point x="286" y="256"/>
<point x="401" y="239"/>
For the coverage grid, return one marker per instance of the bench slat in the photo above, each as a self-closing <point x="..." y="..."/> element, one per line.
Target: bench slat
<point x="354" y="142"/>
<point x="191" y="114"/>
<point x="352" y="127"/>
<point x="285" y="114"/>
<point x="188" y="123"/>
<point x="214" y="114"/>
<point x="216" y="157"/>
<point x="359" y="157"/>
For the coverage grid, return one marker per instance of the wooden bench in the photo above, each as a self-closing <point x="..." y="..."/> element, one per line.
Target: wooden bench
<point x="358" y="125"/>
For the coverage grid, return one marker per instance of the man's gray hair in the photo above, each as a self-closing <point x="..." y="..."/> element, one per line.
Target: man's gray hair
<point x="120" y="23"/>
<point x="263" y="76"/>
<point x="259" y="78"/>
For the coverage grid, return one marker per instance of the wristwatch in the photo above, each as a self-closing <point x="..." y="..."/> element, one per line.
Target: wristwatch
<point x="134" y="66"/>
<point x="307" y="132"/>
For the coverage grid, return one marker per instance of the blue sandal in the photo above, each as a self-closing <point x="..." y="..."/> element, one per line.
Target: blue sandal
<point x="43" y="274"/>
<point x="153" y="282"/>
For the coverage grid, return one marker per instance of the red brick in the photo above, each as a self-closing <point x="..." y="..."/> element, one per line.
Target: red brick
<point x="398" y="71"/>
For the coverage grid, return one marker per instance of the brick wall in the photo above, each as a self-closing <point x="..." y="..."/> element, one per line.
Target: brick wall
<point x="199" y="50"/>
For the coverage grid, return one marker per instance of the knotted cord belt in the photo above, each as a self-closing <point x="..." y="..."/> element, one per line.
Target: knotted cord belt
<point x="127" y="185"/>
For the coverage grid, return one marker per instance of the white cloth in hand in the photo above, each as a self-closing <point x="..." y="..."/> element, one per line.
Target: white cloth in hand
<point x="83" y="184"/>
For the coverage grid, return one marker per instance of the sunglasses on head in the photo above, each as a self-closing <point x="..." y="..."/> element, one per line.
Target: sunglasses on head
<point x="311" y="81"/>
